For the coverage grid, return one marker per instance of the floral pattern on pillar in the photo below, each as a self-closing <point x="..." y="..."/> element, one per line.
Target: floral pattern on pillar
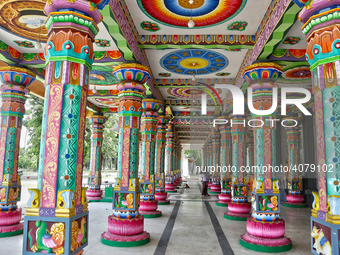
<point x="126" y="225"/>
<point x="14" y="93"/>
<point x="95" y="178"/>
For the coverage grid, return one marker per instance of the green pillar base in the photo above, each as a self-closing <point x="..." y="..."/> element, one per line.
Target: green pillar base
<point x="235" y="218"/>
<point x="164" y="203"/>
<point x="295" y="205"/>
<point x="215" y="193"/>
<point x="14" y="233"/>
<point x="156" y="215"/>
<point x="105" y="200"/>
<point x="172" y="191"/>
<point x="125" y="244"/>
<point x="220" y="204"/>
<point x="260" y="248"/>
<point x="177" y="188"/>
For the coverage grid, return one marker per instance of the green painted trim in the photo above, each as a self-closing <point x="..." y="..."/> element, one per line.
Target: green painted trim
<point x="222" y="205"/>
<point x="164" y="203"/>
<point x="261" y="248"/>
<point x="152" y="215"/>
<point x="7" y="61"/>
<point x="175" y="191"/>
<point x="14" y="233"/>
<point x="193" y="46"/>
<point x="125" y="244"/>
<point x="281" y="30"/>
<point x="295" y="206"/>
<point x="117" y="35"/>
<point x="107" y="200"/>
<point x="235" y="218"/>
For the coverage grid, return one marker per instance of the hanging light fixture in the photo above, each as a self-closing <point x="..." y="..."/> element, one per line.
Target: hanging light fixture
<point x="194" y="76"/>
<point x="37" y="44"/>
<point x="191" y="23"/>
<point x="94" y="90"/>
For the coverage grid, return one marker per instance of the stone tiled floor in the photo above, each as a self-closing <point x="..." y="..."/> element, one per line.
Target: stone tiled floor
<point x="192" y="233"/>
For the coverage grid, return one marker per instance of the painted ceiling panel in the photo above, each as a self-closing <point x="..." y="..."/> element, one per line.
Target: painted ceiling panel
<point x="171" y="16"/>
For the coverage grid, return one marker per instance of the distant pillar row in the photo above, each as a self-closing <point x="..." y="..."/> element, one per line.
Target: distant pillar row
<point x="265" y="228"/>
<point x="95" y="177"/>
<point x="169" y="159"/>
<point x="216" y="144"/>
<point x="160" y="193"/>
<point x="14" y="92"/>
<point x="148" y="203"/>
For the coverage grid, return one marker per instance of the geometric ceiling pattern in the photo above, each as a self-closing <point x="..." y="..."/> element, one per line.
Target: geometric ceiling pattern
<point x="227" y="36"/>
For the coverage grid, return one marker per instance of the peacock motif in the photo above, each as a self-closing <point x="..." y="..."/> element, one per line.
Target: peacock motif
<point x="46" y="241"/>
<point x="78" y="236"/>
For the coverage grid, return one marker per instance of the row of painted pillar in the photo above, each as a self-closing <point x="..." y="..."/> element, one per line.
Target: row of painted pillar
<point x="56" y="219"/>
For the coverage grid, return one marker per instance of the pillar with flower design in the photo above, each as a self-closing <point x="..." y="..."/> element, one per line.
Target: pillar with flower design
<point x="148" y="203"/>
<point x="14" y="91"/>
<point x="160" y="193"/>
<point x="226" y="146"/>
<point x="249" y="179"/>
<point x="126" y="225"/>
<point x="321" y="27"/>
<point x="239" y="207"/>
<point x="216" y="144"/>
<point x="169" y="158"/>
<point x="94" y="193"/>
<point x="295" y="197"/>
<point x="59" y="202"/>
<point x="265" y="228"/>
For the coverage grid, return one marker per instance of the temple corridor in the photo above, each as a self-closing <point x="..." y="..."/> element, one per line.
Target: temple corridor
<point x="189" y="225"/>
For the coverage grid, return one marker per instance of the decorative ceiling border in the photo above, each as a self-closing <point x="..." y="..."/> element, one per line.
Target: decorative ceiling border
<point x="294" y="55"/>
<point x="191" y="41"/>
<point x="94" y="108"/>
<point x="181" y="82"/>
<point x="276" y="16"/>
<point x="114" y="10"/>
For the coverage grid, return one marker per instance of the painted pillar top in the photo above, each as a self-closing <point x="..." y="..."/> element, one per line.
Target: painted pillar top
<point x="262" y="72"/>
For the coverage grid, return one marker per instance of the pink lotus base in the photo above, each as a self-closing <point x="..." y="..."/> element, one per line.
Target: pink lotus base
<point x="10" y="218"/>
<point x="94" y="194"/>
<point x="209" y="185"/>
<point x="266" y="229"/>
<point x="148" y="205"/>
<point x="122" y="227"/>
<point x="150" y="212"/>
<point x="215" y="188"/>
<point x="275" y="242"/>
<point x="111" y="237"/>
<point x="239" y="208"/>
<point x="237" y="215"/>
<point x="169" y="187"/>
<point x="295" y="199"/>
<point x="161" y="196"/>
<point x="224" y="198"/>
<point x="12" y="228"/>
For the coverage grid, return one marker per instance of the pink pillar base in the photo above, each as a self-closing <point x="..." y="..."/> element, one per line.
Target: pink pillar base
<point x="117" y="238"/>
<point x="266" y="229"/>
<point x="122" y="227"/>
<point x="239" y="208"/>
<point x="169" y="187"/>
<point x="275" y="242"/>
<point x="161" y="196"/>
<point x="148" y="206"/>
<point x="12" y="228"/>
<point x="224" y="198"/>
<point x="215" y="188"/>
<point x="9" y="218"/>
<point x="94" y="194"/>
<point x="295" y="199"/>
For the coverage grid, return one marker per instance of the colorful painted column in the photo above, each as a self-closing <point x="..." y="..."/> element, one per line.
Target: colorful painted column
<point x="56" y="218"/>
<point x="14" y="93"/>
<point x="160" y="194"/>
<point x="148" y="203"/>
<point x="169" y="158"/>
<point x="295" y="196"/>
<point x="216" y="144"/>
<point x="249" y="179"/>
<point x="209" y="160"/>
<point x="226" y="145"/>
<point x="126" y="225"/>
<point x="265" y="228"/>
<point x="93" y="193"/>
<point x="239" y="207"/>
<point x="321" y="26"/>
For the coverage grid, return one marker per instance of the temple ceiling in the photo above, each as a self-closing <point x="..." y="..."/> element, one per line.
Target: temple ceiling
<point x="228" y="35"/>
